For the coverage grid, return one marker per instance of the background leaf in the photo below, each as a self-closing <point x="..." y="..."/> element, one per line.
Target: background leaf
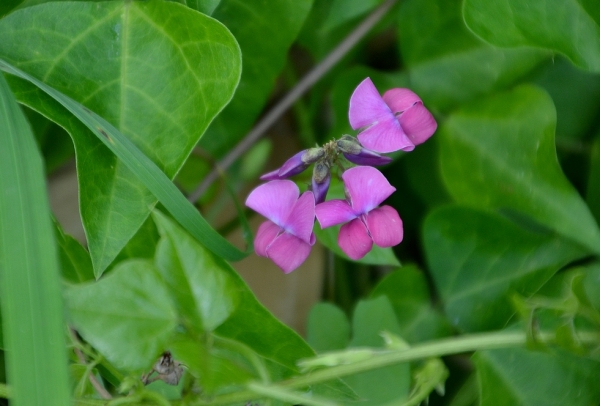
<point x="265" y="33"/>
<point x="446" y="63"/>
<point x="158" y="71"/>
<point x="408" y="293"/>
<point x="30" y="296"/>
<point x="570" y="27"/>
<point x="520" y="377"/>
<point x="499" y="153"/>
<point x="478" y="259"/>
<point x="328" y="328"/>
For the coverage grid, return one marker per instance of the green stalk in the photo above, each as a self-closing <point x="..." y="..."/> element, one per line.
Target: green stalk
<point x="382" y="358"/>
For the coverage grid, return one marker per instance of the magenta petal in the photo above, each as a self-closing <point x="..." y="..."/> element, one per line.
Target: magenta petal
<point x="264" y="236"/>
<point x="367" y="188"/>
<point x="385" y="226"/>
<point x="288" y="252"/>
<point x="334" y="212"/>
<point x="274" y="200"/>
<point x="418" y="123"/>
<point x="367" y="106"/>
<point x="385" y="136"/>
<point x="400" y="99"/>
<point x="301" y="220"/>
<point x="354" y="240"/>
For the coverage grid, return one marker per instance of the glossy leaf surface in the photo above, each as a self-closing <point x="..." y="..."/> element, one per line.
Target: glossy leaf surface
<point x="157" y="71"/>
<point x="499" y="153"/>
<point x="479" y="259"/>
<point x="570" y="27"/>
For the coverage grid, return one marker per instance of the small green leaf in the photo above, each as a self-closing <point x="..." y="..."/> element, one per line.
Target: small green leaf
<point x="571" y="27"/>
<point x="127" y="315"/>
<point x="32" y="311"/>
<point x="328" y="328"/>
<point x="383" y="385"/>
<point x="205" y="293"/>
<point x="499" y="153"/>
<point x="75" y="261"/>
<point x="521" y="377"/>
<point x="478" y="259"/>
<point x="407" y="291"/>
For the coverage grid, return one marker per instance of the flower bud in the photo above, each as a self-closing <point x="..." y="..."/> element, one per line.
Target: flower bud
<point x="296" y="164"/>
<point x="357" y="154"/>
<point x="320" y="182"/>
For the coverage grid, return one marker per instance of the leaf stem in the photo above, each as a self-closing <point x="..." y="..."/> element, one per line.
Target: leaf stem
<point x="290" y="98"/>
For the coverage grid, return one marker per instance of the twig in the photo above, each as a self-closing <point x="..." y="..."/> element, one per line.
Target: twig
<point x="104" y="394"/>
<point x="297" y="91"/>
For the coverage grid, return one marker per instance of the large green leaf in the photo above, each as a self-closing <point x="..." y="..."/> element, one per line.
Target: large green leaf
<point x="328" y="328"/>
<point x="446" y="63"/>
<point x="75" y="261"/>
<point x="518" y="377"/>
<point x="128" y="315"/>
<point x="32" y="321"/>
<point x="407" y="291"/>
<point x="204" y="291"/>
<point x="571" y="27"/>
<point x="158" y="71"/>
<point x="265" y="33"/>
<point x="479" y="259"/>
<point x="499" y="153"/>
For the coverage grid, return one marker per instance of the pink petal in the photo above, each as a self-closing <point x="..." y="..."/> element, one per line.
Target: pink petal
<point x="354" y="240"/>
<point x="334" y="212"/>
<point x="274" y="200"/>
<point x="367" y="106"/>
<point x="385" y="226"/>
<point x="367" y="188"/>
<point x="418" y="123"/>
<point x="301" y="219"/>
<point x="400" y="99"/>
<point x="385" y="136"/>
<point x="288" y="252"/>
<point x="264" y="236"/>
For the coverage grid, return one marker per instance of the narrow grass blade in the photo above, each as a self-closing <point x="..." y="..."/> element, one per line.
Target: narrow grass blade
<point x="152" y="177"/>
<point x="29" y="274"/>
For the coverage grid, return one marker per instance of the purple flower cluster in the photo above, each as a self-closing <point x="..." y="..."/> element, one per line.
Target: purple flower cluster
<point x="396" y="121"/>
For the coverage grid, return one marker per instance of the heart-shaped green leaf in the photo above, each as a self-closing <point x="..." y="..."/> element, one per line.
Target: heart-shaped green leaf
<point x="479" y="259"/>
<point x="204" y="291"/>
<point x="499" y="153"/>
<point x="128" y="315"/>
<point x="159" y="72"/>
<point x="571" y="27"/>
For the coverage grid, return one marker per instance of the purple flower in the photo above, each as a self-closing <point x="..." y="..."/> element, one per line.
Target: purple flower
<point x="398" y="121"/>
<point x="295" y="164"/>
<point x="366" y="223"/>
<point x="286" y="237"/>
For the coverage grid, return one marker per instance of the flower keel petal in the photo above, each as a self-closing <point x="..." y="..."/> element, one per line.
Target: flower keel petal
<point x="354" y="240"/>
<point x="385" y="226"/>
<point x="267" y="232"/>
<point x="288" y="252"/>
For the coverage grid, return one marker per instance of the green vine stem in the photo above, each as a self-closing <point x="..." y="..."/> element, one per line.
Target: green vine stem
<point x="382" y="358"/>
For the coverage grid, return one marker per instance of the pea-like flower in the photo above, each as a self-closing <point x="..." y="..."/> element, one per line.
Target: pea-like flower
<point x="398" y="121"/>
<point x="286" y="237"/>
<point x="366" y="223"/>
